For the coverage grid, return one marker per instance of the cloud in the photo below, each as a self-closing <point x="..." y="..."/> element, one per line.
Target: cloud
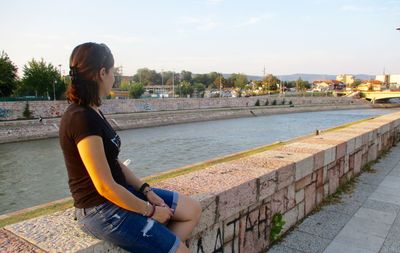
<point x="189" y="20"/>
<point x="123" y="39"/>
<point x="38" y="36"/>
<point x="254" y="20"/>
<point x="201" y="24"/>
<point x="208" y="25"/>
<point x="214" y="1"/>
<point x="356" y="8"/>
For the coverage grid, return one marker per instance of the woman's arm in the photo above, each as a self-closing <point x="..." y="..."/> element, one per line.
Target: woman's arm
<point x="137" y="183"/>
<point x="93" y="156"/>
<point x="130" y="177"/>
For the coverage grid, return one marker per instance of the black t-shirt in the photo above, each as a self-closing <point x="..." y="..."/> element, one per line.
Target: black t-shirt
<point x="77" y="123"/>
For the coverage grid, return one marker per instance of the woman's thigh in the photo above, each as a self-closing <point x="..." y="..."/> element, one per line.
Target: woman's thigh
<point x="187" y="209"/>
<point x="129" y="230"/>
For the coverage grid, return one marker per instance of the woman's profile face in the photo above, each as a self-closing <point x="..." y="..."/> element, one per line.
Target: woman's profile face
<point x="106" y="81"/>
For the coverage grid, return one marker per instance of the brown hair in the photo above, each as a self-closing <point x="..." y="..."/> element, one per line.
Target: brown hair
<point x="85" y="63"/>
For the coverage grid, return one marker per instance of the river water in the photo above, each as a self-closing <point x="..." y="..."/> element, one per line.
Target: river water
<point x="33" y="172"/>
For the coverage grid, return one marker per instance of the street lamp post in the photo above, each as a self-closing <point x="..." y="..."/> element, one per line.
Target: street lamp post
<point x="54" y="89"/>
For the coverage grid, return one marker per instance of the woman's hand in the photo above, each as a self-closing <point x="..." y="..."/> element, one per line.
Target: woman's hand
<point x="153" y="198"/>
<point x="162" y="214"/>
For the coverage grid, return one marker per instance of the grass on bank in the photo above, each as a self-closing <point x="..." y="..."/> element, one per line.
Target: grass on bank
<point x="49" y="209"/>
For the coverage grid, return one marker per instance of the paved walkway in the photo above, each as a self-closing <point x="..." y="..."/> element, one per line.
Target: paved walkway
<point x="367" y="220"/>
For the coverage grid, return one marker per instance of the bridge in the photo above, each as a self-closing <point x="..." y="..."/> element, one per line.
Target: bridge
<point x="380" y="95"/>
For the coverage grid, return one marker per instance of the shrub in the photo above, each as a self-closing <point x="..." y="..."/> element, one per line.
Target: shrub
<point x="277" y="224"/>
<point x="27" y="113"/>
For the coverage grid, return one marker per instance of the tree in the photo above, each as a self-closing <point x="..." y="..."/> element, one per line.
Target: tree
<point x="213" y="76"/>
<point x="125" y="85"/>
<point x="136" y="90"/>
<point x="203" y="78"/>
<point x="39" y="78"/>
<point x="167" y="76"/>
<point x="185" y="88"/>
<point x="300" y="85"/>
<point x="219" y="82"/>
<point x="186" y="76"/>
<point x="147" y="77"/>
<point x="356" y="83"/>
<point x="271" y="82"/>
<point x="199" y="88"/>
<point x="8" y="75"/>
<point x="239" y="80"/>
<point x="117" y="77"/>
<point x="27" y="113"/>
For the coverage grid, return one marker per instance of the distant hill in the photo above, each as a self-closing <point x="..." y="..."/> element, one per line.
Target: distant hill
<point x="308" y="77"/>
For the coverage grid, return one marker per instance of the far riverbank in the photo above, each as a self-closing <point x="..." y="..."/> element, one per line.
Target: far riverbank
<point x="23" y="130"/>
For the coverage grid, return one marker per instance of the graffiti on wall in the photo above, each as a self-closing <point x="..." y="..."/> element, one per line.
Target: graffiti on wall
<point x="144" y="107"/>
<point x="5" y="113"/>
<point x="250" y="232"/>
<point x="55" y="111"/>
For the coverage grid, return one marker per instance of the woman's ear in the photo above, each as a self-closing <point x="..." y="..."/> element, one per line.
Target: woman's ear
<point x="102" y="73"/>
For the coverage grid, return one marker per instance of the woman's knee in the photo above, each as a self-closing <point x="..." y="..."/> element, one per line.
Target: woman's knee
<point x="197" y="209"/>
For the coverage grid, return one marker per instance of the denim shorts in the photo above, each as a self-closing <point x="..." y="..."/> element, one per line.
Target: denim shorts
<point x="129" y="230"/>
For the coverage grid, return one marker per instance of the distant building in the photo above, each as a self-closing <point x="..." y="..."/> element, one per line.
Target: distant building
<point x="119" y="94"/>
<point x="390" y="80"/>
<point x="327" y="85"/>
<point x="163" y="91"/>
<point x="345" y="78"/>
<point x="370" y="85"/>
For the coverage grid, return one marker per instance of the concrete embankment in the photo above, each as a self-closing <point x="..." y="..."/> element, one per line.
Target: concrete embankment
<point x="242" y="198"/>
<point x="22" y="130"/>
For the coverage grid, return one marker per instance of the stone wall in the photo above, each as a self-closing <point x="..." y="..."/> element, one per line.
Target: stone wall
<point x="240" y="197"/>
<point x="50" y="109"/>
<point x="22" y="130"/>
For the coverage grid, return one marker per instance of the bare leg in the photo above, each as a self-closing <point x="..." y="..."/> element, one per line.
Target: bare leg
<point x="182" y="248"/>
<point x="186" y="217"/>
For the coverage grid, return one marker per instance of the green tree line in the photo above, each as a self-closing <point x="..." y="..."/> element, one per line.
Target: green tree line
<point x="44" y="80"/>
<point x="39" y="79"/>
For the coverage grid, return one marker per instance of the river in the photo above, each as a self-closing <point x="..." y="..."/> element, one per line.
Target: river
<point x="33" y="172"/>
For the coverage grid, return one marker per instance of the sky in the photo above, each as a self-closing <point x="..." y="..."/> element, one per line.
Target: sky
<point x="227" y="36"/>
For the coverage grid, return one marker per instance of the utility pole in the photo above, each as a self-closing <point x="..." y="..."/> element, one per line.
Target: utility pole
<point x="173" y="84"/>
<point x="162" y="77"/>
<point x="220" y="85"/>
<point x="264" y="75"/>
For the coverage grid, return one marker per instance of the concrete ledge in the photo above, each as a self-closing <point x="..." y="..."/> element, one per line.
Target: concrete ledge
<point x="240" y="197"/>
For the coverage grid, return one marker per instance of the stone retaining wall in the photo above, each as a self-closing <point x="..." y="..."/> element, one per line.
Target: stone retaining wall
<point x="240" y="197"/>
<point x="22" y="130"/>
<point x="50" y="109"/>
